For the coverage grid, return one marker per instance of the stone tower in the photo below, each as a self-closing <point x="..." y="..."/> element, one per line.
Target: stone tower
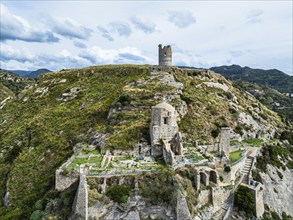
<point x="224" y="145"/>
<point x="163" y="125"/>
<point x="165" y="55"/>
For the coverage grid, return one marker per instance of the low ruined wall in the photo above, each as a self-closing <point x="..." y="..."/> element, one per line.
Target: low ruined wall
<point x="62" y="181"/>
<point x="80" y="206"/>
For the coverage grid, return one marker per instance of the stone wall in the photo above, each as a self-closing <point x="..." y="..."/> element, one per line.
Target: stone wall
<point x="63" y="181"/>
<point x="80" y="206"/>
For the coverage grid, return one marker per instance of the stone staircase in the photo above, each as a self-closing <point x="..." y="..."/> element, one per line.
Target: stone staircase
<point x="246" y="169"/>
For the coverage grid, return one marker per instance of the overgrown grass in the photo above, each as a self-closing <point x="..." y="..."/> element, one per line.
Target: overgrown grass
<point x="235" y="156"/>
<point x="255" y="142"/>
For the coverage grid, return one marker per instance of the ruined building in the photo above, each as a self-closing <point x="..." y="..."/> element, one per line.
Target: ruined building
<point x="166" y="139"/>
<point x="224" y="144"/>
<point x="165" y="55"/>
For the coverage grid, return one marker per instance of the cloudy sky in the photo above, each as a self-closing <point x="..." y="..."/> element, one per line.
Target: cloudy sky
<point x="72" y="34"/>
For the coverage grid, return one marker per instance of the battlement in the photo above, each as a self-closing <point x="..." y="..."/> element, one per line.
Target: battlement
<point x="165" y="55"/>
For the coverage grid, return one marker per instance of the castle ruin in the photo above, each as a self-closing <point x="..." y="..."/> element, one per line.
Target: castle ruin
<point x="165" y="55"/>
<point x="166" y="139"/>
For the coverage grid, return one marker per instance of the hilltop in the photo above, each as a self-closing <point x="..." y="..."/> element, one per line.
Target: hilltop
<point x="109" y="107"/>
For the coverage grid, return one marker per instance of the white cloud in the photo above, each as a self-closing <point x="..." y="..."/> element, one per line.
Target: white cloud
<point x="97" y="55"/>
<point x="20" y="54"/>
<point x="69" y="28"/>
<point x="143" y="24"/>
<point x="79" y="44"/>
<point x="115" y="27"/>
<point x="14" y="27"/>
<point x="254" y="16"/>
<point x="181" y="19"/>
<point x="105" y="33"/>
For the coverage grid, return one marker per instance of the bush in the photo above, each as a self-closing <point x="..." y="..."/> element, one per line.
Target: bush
<point x="124" y="100"/>
<point x="215" y="132"/>
<point x="244" y="201"/>
<point x="36" y="215"/>
<point x="287" y="135"/>
<point x="158" y="189"/>
<point x="119" y="193"/>
<point x="227" y="169"/>
<point x="221" y="178"/>
<point x="238" y="130"/>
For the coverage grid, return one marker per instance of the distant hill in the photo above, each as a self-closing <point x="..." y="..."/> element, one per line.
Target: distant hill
<point x="272" y="98"/>
<point x="13" y="82"/>
<point x="30" y="74"/>
<point x="273" y="78"/>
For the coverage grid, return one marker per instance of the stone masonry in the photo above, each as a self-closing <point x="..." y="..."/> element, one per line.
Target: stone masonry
<point x="224" y="143"/>
<point x="165" y="55"/>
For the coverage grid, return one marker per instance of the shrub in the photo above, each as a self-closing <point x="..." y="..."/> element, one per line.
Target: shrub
<point x="39" y="205"/>
<point x="36" y="215"/>
<point x="158" y="189"/>
<point x="119" y="193"/>
<point x="229" y="95"/>
<point x="124" y="100"/>
<point x="275" y="216"/>
<point x="227" y="169"/>
<point x="221" y="178"/>
<point x="238" y="130"/>
<point x="244" y="201"/>
<point x="215" y="132"/>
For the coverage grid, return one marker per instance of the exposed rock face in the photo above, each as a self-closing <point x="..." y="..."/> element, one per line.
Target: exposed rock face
<point x="134" y="209"/>
<point x="98" y="139"/>
<point x="278" y="192"/>
<point x="6" y="199"/>
<point x="217" y="85"/>
<point x="69" y="95"/>
<point x="182" y="212"/>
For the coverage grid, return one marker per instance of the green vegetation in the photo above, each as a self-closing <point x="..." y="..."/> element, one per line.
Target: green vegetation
<point x="255" y="142"/>
<point x="151" y="188"/>
<point x="78" y="161"/>
<point x="272" y="98"/>
<point x="235" y="156"/>
<point x="41" y="126"/>
<point x="272" y="78"/>
<point x="244" y="201"/>
<point x="13" y="82"/>
<point x="287" y="135"/>
<point x="227" y="169"/>
<point x="276" y="156"/>
<point x="119" y="193"/>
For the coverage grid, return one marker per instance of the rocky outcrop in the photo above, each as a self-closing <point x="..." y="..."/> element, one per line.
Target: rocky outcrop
<point x="217" y="85"/>
<point x="69" y="95"/>
<point x="278" y="190"/>
<point x="182" y="211"/>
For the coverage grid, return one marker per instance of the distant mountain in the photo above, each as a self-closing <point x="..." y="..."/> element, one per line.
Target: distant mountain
<point x="273" y="78"/>
<point x="38" y="73"/>
<point x="30" y="74"/>
<point x="13" y="82"/>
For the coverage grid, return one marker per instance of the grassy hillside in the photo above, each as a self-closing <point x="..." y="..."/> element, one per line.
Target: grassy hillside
<point x="4" y="92"/>
<point x="14" y="82"/>
<point x="270" y="78"/>
<point x="40" y="128"/>
<point x="275" y="100"/>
